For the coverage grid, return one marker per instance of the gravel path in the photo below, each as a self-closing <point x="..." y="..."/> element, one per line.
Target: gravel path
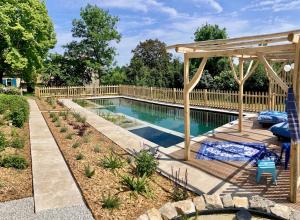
<point x="23" y="209"/>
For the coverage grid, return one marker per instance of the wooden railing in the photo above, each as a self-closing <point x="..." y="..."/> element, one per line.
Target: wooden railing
<point x="253" y="101"/>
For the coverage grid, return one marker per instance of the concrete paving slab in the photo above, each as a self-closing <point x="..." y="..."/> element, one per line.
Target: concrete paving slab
<point x="53" y="184"/>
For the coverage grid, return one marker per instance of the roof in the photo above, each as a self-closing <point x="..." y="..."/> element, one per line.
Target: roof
<point x="273" y="46"/>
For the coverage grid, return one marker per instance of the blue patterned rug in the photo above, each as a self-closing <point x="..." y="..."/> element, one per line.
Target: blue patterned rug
<point x="231" y="151"/>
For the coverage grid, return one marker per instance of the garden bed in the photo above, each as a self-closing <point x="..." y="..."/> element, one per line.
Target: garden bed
<point x="49" y="104"/>
<point x="89" y="150"/>
<point x="15" y="158"/>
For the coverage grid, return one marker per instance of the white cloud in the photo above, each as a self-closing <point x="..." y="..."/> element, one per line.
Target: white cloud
<point x="212" y="3"/>
<point x="273" y="5"/>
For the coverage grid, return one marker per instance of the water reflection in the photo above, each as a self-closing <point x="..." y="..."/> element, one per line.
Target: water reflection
<point x="165" y="116"/>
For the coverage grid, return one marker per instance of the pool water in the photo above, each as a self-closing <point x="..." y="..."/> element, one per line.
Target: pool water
<point x="165" y="116"/>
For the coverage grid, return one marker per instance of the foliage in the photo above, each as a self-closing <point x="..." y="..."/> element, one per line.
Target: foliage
<point x="115" y="76"/>
<point x="9" y="90"/>
<point x="2" y="141"/>
<point x="63" y="130"/>
<point x="180" y="191"/>
<point x="27" y="34"/>
<point x="81" y="102"/>
<point x="57" y="123"/>
<point x="88" y="171"/>
<point x="79" y="156"/>
<point x="149" y="65"/>
<point x="110" y="201"/>
<point x="76" y="144"/>
<point x="14" y="161"/>
<point x="17" y="107"/>
<point x="90" y="55"/>
<point x="206" y="81"/>
<point x="225" y="81"/>
<point x="146" y="163"/>
<point x="17" y="142"/>
<point x="69" y="136"/>
<point x="138" y="185"/>
<point x="97" y="149"/>
<point x="112" y="162"/>
<point x="259" y="81"/>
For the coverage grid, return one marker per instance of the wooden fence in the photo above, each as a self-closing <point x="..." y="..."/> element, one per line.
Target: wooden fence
<point x="253" y="101"/>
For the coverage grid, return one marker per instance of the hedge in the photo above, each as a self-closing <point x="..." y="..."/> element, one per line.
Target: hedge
<point x="16" y="108"/>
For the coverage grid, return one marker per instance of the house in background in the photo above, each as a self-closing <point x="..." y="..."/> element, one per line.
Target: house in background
<point x="15" y="82"/>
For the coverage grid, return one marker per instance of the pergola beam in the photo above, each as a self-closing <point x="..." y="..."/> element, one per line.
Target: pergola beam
<point x="272" y="73"/>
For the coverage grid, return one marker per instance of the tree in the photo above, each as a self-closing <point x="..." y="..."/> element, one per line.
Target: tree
<point x="26" y="35"/>
<point x="225" y="81"/>
<point x="95" y="32"/>
<point x="149" y="65"/>
<point x="211" y="32"/>
<point x="116" y="76"/>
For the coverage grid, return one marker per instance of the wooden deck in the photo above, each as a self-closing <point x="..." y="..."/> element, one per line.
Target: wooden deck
<point x="242" y="175"/>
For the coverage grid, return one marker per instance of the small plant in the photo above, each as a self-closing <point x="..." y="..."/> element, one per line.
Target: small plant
<point x="69" y="136"/>
<point x="52" y="115"/>
<point x="57" y="124"/>
<point x="55" y="118"/>
<point x="86" y="139"/>
<point x="76" y="144"/>
<point x="129" y="160"/>
<point x="146" y="163"/>
<point x="180" y="191"/>
<point x="110" y="202"/>
<point x="17" y="142"/>
<point x="88" y="171"/>
<point x="62" y="113"/>
<point x="14" y="161"/>
<point x="63" y="130"/>
<point x="97" y="149"/>
<point x="111" y="162"/>
<point x="79" y="156"/>
<point x="2" y="141"/>
<point x="136" y="184"/>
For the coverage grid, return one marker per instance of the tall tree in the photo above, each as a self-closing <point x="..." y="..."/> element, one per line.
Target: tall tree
<point x="95" y="32"/>
<point x="149" y="64"/>
<point x="26" y="35"/>
<point x="214" y="66"/>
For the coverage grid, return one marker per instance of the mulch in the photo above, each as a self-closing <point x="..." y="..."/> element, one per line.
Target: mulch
<point x="16" y="184"/>
<point x="104" y="181"/>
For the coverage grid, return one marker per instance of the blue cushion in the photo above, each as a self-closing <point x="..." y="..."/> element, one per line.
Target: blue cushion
<point x="272" y="117"/>
<point x="281" y="130"/>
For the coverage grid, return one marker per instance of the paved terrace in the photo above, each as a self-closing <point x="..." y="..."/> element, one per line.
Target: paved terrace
<point x="237" y="178"/>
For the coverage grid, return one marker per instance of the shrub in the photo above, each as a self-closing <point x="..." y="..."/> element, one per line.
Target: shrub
<point x="76" y="144"/>
<point x="63" y="130"/>
<point x="14" y="161"/>
<point x="111" y="162"/>
<point x="62" y="113"/>
<point x="55" y="118"/>
<point x="79" y="156"/>
<point x="52" y="114"/>
<point x="146" y="163"/>
<point x="9" y="90"/>
<point x="57" y="124"/>
<point x="97" y="149"/>
<point x="69" y="136"/>
<point x="17" y="142"/>
<point x="136" y="184"/>
<point x="17" y="108"/>
<point x="88" y="171"/>
<point x="110" y="202"/>
<point x="2" y="141"/>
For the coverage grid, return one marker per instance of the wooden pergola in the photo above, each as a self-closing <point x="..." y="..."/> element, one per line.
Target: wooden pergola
<point x="278" y="47"/>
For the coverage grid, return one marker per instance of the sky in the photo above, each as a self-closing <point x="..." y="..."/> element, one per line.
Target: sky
<point x="175" y="21"/>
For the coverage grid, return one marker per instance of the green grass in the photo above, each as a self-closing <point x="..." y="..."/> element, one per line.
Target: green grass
<point x="112" y="162"/>
<point x="110" y="202"/>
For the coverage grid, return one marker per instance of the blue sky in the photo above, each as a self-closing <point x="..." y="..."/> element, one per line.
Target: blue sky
<point x="175" y="21"/>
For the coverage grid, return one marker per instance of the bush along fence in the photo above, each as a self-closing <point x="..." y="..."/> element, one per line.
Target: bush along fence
<point x="253" y="101"/>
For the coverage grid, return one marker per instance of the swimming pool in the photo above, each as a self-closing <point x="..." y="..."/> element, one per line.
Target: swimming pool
<point x="168" y="117"/>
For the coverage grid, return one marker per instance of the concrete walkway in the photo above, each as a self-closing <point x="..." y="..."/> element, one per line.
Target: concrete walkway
<point x="53" y="184"/>
<point x="198" y="181"/>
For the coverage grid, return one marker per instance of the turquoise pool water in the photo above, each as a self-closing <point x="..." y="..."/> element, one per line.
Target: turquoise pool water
<point x="165" y="116"/>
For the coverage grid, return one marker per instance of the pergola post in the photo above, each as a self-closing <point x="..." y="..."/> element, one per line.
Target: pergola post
<point x="186" y="98"/>
<point x="241" y="93"/>
<point x="294" y="154"/>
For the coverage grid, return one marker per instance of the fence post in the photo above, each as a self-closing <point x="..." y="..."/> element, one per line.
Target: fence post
<point x="205" y="97"/>
<point x="134" y="91"/>
<point x="151" y="93"/>
<point x="174" y="95"/>
<point x="273" y="100"/>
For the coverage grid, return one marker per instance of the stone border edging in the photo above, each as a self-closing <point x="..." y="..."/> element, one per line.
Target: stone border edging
<point x="214" y="204"/>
